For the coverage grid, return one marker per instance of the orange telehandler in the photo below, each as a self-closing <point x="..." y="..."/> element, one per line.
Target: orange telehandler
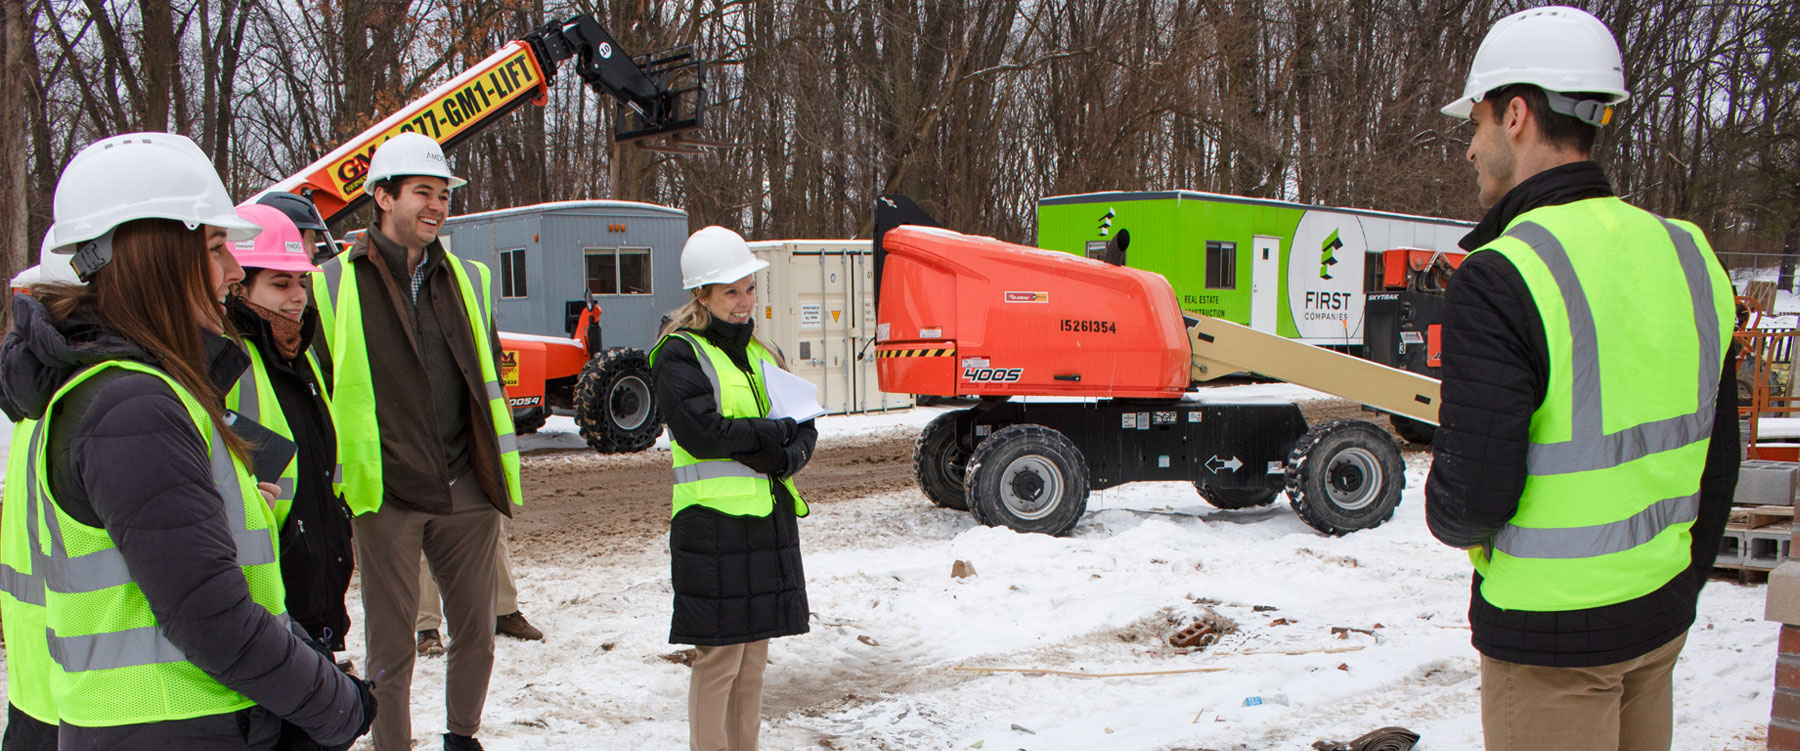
<point x="661" y="94"/>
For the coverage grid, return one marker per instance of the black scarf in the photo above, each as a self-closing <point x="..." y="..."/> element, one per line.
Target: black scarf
<point x="1567" y="183"/>
<point x="734" y="338"/>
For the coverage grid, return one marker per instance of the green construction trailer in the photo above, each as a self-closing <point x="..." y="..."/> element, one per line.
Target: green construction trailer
<point x="1298" y="271"/>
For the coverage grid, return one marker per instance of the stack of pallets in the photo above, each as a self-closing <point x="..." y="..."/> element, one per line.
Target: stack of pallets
<point x="1759" y="532"/>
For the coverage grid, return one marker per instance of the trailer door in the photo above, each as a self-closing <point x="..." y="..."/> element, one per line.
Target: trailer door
<point x="1265" y="282"/>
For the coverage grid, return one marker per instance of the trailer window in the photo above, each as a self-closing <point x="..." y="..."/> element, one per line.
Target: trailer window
<point x="512" y="273"/>
<point x="1221" y="265"/>
<point x="618" y="271"/>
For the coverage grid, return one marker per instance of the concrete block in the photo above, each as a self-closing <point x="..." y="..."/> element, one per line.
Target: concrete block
<point x="1731" y="548"/>
<point x="1783" y="600"/>
<point x="1766" y="549"/>
<point x="1768" y="483"/>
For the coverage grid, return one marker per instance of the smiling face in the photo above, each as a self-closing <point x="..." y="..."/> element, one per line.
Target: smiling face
<point x="414" y="211"/>
<point x="732" y="302"/>
<point x="281" y="291"/>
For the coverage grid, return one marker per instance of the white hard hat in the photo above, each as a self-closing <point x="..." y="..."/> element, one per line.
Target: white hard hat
<point x="1555" y="48"/>
<point x="410" y="154"/>
<point x="716" y="255"/>
<point x="55" y="269"/>
<point x="136" y="176"/>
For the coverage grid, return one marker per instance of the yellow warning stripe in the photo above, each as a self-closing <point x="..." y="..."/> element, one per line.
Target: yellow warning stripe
<point x="950" y="352"/>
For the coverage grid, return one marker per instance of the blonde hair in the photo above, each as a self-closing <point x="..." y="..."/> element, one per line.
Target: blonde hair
<point x="694" y="315"/>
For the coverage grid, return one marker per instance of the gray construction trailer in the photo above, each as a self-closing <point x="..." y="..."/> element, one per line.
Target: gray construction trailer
<point x="548" y="257"/>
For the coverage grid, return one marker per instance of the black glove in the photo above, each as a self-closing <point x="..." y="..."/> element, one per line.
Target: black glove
<point x="772" y="460"/>
<point x="772" y="432"/>
<point x="796" y="459"/>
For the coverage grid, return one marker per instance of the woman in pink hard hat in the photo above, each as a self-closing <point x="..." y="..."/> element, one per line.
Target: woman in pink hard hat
<point x="285" y="391"/>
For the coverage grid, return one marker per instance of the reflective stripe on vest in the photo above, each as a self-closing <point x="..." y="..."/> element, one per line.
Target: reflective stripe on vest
<point x="116" y="666"/>
<point x="353" y="390"/>
<point x="253" y="398"/>
<point x="722" y="484"/>
<point x="1591" y="447"/>
<point x="30" y="671"/>
<point x="249" y="397"/>
<point x="1605" y="513"/>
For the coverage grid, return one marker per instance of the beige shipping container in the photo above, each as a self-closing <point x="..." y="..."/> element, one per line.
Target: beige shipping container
<point x="817" y="303"/>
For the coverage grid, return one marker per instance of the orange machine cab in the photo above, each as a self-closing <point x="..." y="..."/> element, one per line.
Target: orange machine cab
<point x="968" y="316"/>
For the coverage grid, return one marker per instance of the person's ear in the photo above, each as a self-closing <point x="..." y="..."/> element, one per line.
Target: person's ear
<point x="1517" y="118"/>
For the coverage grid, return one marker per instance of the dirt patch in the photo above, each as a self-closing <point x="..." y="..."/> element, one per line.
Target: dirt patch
<point x="581" y="503"/>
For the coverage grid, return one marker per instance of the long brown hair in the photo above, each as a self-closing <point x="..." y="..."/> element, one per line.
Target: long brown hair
<point x="694" y="314"/>
<point x="159" y="276"/>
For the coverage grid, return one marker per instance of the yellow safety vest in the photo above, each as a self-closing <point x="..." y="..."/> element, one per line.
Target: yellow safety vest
<point x="353" y="406"/>
<point x="1637" y="314"/>
<point x="117" y="668"/>
<point x="725" y="485"/>
<point x="29" y="669"/>
<point x="253" y="397"/>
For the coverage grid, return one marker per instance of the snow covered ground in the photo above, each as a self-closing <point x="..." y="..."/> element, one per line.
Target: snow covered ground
<point x="885" y="666"/>
<point x="893" y="634"/>
<point x="894" y="637"/>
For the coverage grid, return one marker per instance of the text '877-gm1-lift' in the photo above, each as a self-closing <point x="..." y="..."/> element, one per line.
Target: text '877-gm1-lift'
<point x="959" y="315"/>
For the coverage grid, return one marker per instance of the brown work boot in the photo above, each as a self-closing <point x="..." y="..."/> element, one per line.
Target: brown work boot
<point x="430" y="644"/>
<point x="514" y="625"/>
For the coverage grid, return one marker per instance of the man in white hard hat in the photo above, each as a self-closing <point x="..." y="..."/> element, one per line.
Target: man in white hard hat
<point x="1588" y="450"/>
<point x="424" y="434"/>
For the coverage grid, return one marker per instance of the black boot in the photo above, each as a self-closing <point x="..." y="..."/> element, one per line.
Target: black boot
<point x="454" y="742"/>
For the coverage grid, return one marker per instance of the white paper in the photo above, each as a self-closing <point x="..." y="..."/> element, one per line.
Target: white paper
<point x="791" y="396"/>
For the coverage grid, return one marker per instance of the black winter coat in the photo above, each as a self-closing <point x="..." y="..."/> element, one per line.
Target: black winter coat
<point x="316" y="559"/>
<point x="1496" y="372"/>
<point x="737" y="579"/>
<point x="123" y="455"/>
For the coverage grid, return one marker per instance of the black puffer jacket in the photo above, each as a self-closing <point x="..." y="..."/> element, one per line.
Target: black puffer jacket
<point x="737" y="579"/>
<point x="1496" y="372"/>
<point x="316" y="560"/>
<point x="124" y="455"/>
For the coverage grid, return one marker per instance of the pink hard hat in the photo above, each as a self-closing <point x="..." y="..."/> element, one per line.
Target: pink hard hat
<point x="278" y="247"/>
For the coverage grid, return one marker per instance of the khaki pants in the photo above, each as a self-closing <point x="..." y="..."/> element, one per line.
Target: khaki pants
<point x="1625" y="706"/>
<point x="460" y="549"/>
<point x="506" y="594"/>
<point x="725" y="697"/>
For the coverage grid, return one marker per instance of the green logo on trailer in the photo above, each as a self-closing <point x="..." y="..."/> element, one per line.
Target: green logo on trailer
<point x="1326" y="257"/>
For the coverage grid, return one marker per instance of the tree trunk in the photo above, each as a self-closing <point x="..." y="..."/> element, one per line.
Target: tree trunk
<point x="15" y="145"/>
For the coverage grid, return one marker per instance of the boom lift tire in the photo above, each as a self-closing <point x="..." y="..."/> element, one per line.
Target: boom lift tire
<point x="1028" y="478"/>
<point x="1344" y="476"/>
<point x="1412" y="430"/>
<point x="614" y="406"/>
<point x="1236" y="498"/>
<point x="940" y="462"/>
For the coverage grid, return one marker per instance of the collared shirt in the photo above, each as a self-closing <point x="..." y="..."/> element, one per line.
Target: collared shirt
<point x="418" y="277"/>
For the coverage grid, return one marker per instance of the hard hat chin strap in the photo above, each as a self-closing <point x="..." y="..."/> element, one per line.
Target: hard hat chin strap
<point x="1591" y="111"/>
<point x="93" y="255"/>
